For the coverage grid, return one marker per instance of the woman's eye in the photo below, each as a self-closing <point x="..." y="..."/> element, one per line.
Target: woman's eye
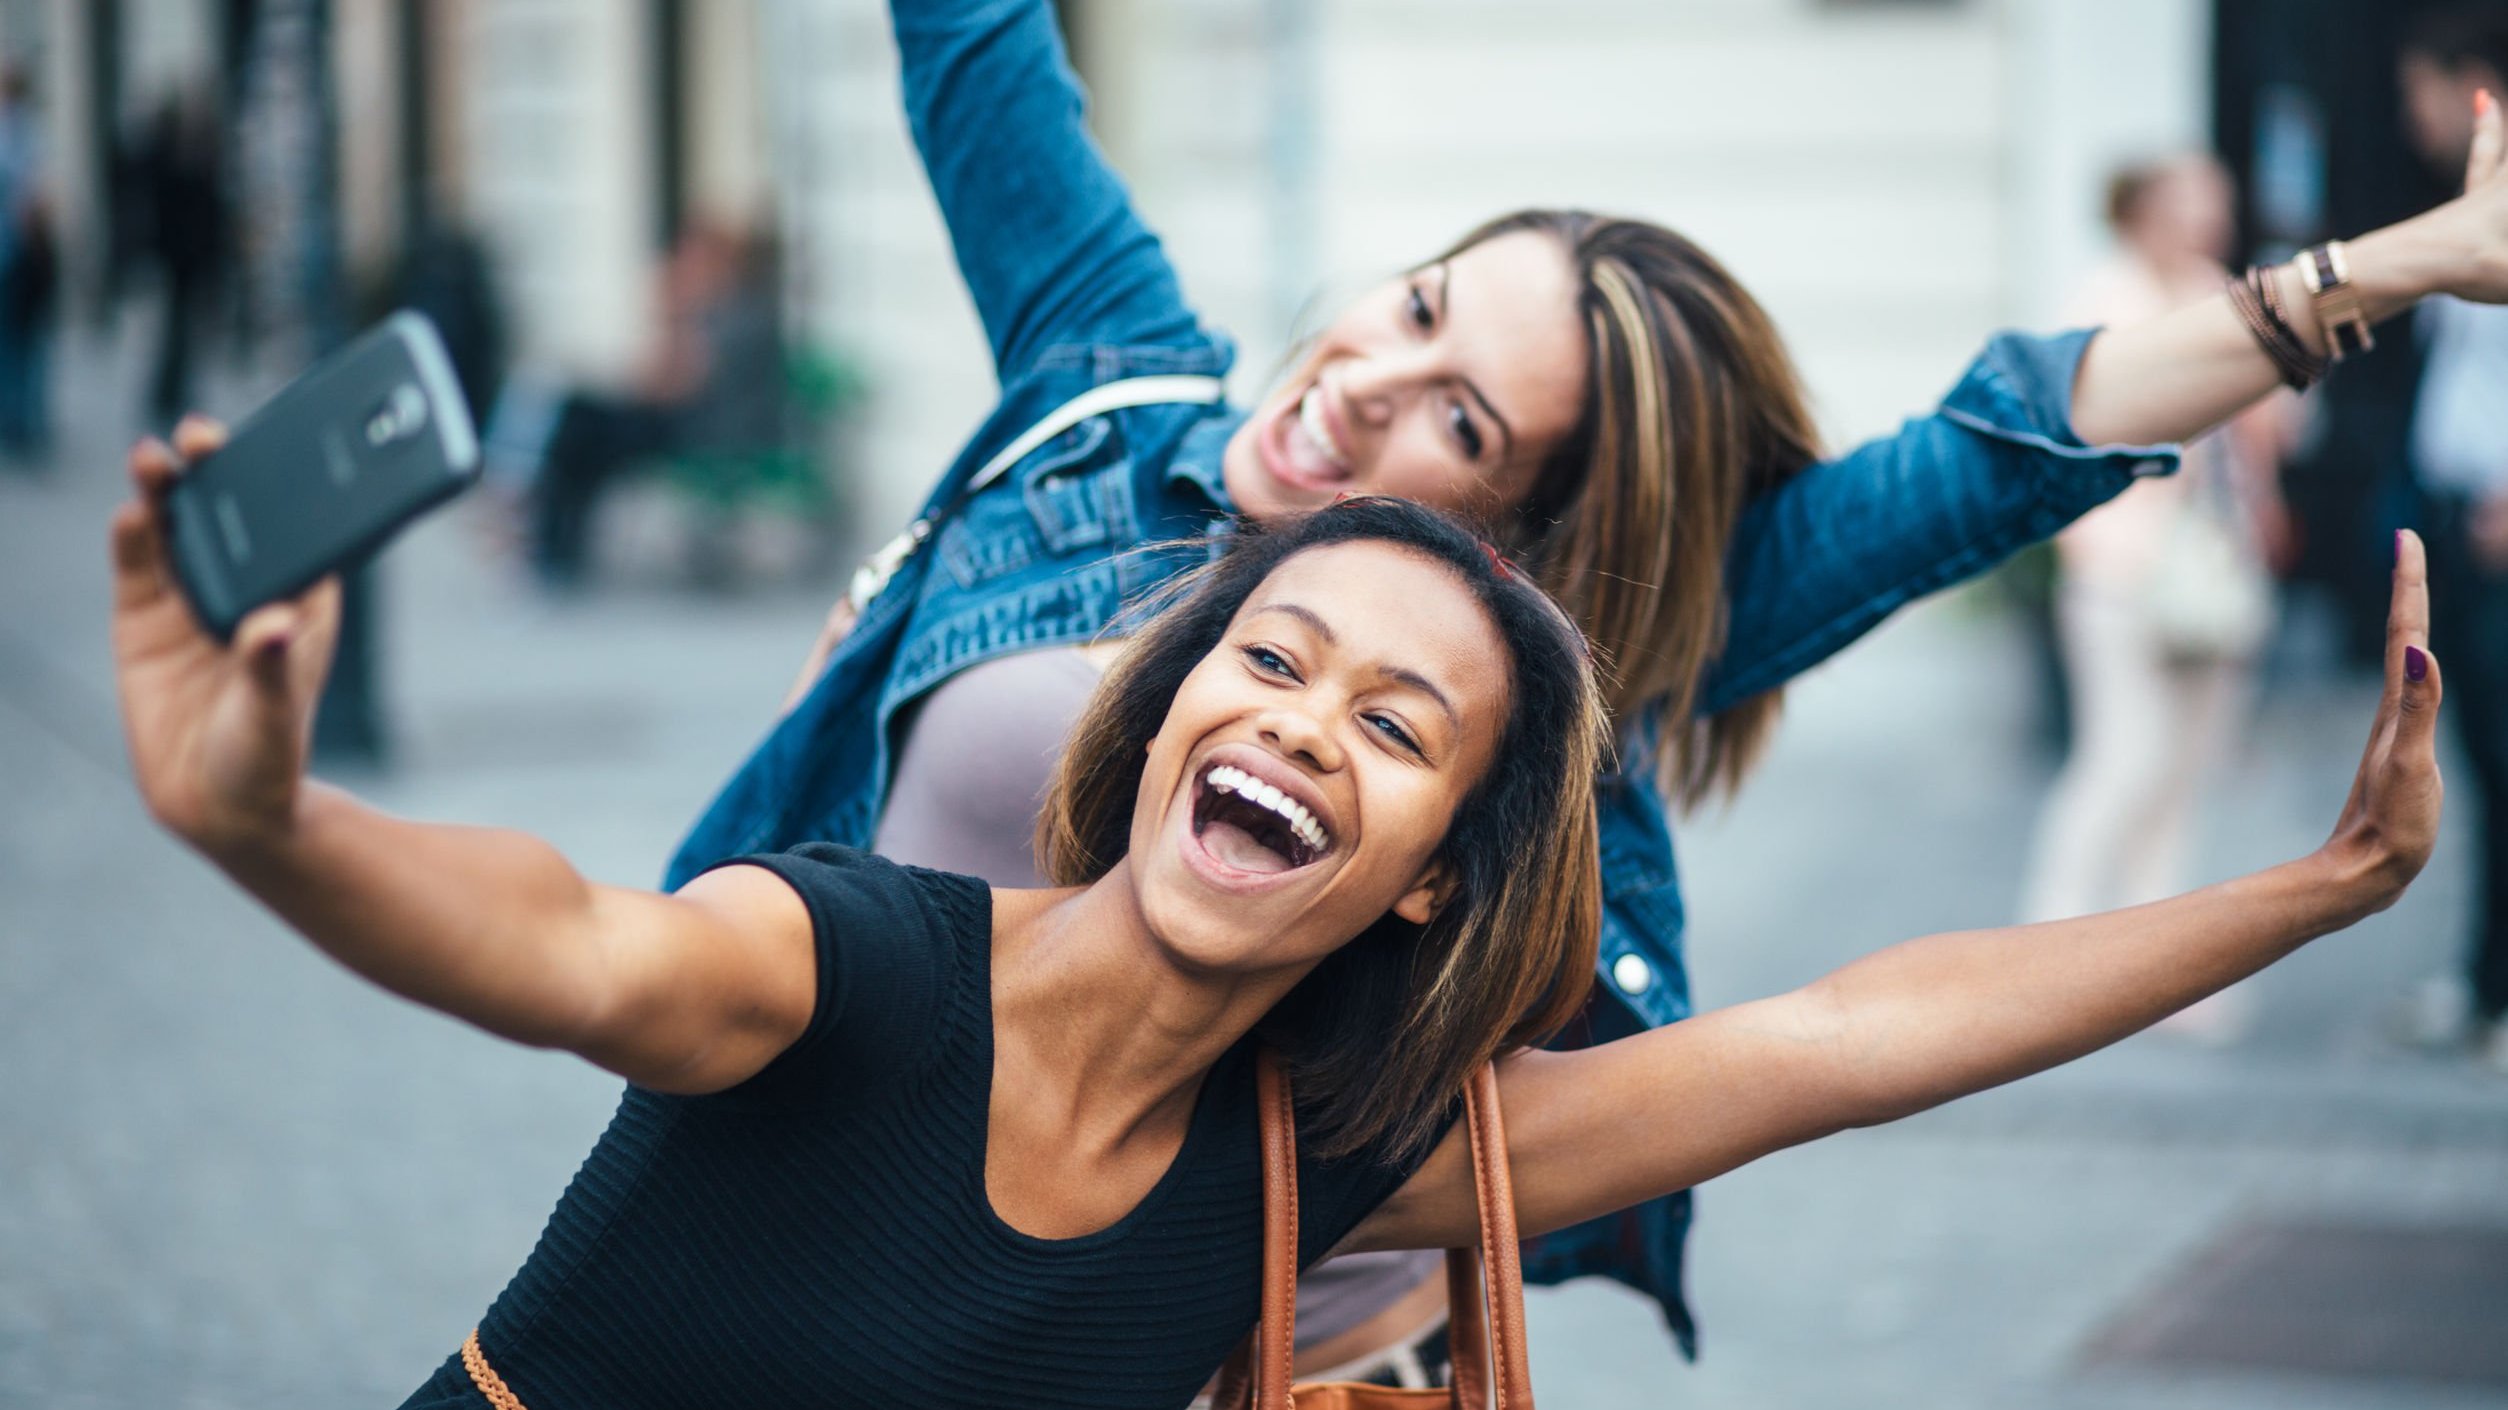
<point x="1421" y="318"/>
<point x="1392" y="729"/>
<point x="1465" y="433"/>
<point x="1269" y="662"/>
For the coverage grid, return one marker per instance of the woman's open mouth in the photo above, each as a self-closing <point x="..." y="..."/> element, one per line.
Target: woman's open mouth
<point x="1300" y="449"/>
<point x="1248" y="825"/>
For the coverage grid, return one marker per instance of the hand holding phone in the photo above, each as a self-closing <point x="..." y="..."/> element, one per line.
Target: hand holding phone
<point x="219" y="730"/>
<point x="322" y="474"/>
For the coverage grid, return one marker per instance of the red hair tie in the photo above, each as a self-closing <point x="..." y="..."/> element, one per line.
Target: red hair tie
<point x="1498" y="560"/>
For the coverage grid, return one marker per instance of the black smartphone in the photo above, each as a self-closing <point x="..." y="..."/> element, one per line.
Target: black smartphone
<point x="367" y="440"/>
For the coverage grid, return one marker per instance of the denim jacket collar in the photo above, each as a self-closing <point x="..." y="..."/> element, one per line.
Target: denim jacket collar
<point x="1197" y="463"/>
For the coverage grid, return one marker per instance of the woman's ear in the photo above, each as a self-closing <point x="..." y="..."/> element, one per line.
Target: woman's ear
<point x="1428" y="895"/>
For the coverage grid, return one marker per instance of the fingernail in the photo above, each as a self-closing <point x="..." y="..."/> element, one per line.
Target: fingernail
<point x="2416" y="664"/>
<point x="2482" y="101"/>
<point x="2399" y="545"/>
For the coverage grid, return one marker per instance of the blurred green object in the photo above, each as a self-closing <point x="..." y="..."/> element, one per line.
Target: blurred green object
<point x="823" y="383"/>
<point x="792" y="479"/>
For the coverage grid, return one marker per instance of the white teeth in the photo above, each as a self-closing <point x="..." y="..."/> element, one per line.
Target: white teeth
<point x="1311" y="420"/>
<point x="1228" y="778"/>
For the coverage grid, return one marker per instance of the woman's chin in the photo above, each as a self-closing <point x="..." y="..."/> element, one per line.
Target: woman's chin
<point x="1213" y="917"/>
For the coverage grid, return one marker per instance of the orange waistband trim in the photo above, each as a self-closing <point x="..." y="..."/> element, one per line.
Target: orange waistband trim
<point x="484" y="1376"/>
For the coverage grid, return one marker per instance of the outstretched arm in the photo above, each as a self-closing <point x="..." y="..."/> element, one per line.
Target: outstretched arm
<point x="692" y="992"/>
<point x="1921" y="1023"/>
<point x="2175" y="377"/>
<point x="2040" y="432"/>
<point x="1046" y="235"/>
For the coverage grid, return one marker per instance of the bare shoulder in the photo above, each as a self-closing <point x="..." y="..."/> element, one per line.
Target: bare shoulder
<point x="749" y="896"/>
<point x="707" y="984"/>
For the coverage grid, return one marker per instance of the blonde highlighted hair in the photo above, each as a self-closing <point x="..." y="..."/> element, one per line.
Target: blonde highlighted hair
<point x="1693" y="406"/>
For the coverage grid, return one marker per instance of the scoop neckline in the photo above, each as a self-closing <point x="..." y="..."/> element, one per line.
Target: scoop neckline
<point x="1196" y="1131"/>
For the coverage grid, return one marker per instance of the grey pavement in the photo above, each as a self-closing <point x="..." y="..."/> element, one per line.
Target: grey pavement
<point x="231" y="1175"/>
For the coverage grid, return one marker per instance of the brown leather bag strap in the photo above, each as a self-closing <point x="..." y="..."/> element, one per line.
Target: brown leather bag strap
<point x="1262" y="1364"/>
<point x="1467" y="1330"/>
<point x="1275" y="1339"/>
<point x="1257" y="1375"/>
<point x="1501" y="1251"/>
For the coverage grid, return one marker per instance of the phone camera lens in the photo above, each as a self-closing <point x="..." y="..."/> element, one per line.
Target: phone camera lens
<point x="402" y="414"/>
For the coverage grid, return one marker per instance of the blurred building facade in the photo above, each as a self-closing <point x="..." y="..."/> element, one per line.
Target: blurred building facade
<point x="1896" y="177"/>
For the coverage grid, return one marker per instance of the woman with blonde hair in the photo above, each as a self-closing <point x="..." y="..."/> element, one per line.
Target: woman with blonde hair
<point x="1598" y="394"/>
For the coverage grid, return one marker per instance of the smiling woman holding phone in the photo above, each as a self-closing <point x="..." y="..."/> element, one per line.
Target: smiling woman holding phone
<point x="896" y="1137"/>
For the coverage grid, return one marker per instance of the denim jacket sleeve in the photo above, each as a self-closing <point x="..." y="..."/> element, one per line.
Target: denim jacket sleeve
<point x="1045" y="233"/>
<point x="1820" y="560"/>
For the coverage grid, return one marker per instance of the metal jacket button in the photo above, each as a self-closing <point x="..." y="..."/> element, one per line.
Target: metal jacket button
<point x="1632" y="974"/>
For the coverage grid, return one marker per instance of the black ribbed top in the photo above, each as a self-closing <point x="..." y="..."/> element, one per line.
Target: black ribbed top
<point x="820" y="1234"/>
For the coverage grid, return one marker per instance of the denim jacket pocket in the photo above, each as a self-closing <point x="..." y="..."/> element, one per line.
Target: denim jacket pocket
<point x="1000" y="532"/>
<point x="989" y="537"/>
<point x="1079" y="495"/>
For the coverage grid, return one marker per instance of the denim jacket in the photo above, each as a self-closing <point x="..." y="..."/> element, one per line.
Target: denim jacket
<point x="1074" y="291"/>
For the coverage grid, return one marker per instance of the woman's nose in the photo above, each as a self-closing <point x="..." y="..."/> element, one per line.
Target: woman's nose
<point x="1373" y="387"/>
<point x="1301" y="737"/>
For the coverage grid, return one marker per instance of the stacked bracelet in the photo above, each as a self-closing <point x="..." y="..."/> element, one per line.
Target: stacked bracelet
<point x="2269" y="289"/>
<point x="2326" y="270"/>
<point x="2259" y="305"/>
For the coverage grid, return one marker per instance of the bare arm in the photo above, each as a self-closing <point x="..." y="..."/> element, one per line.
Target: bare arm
<point x="2174" y="377"/>
<point x="692" y="992"/>
<point x="1921" y="1023"/>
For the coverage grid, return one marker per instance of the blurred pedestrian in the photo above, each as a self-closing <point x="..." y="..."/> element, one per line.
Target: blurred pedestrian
<point x="2163" y="596"/>
<point x="712" y="382"/>
<point x="29" y="274"/>
<point x="181" y="181"/>
<point x="2459" y="466"/>
<point x="445" y="273"/>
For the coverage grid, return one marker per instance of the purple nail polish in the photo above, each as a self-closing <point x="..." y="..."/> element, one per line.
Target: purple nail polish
<point x="2399" y="545"/>
<point x="2416" y="664"/>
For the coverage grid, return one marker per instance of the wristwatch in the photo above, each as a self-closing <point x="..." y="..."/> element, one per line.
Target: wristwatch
<point x="2326" y="270"/>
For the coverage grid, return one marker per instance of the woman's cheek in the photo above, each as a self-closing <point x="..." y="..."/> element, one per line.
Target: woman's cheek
<point x="1404" y="473"/>
<point x="1424" y="816"/>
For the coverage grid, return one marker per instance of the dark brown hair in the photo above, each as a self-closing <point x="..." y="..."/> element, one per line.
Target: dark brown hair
<point x="1693" y="406"/>
<point x="2456" y="37"/>
<point x="1383" y="1034"/>
<point x="2130" y="186"/>
<point x="2126" y="190"/>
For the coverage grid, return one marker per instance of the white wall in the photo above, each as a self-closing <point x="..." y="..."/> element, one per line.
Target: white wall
<point x="76" y="155"/>
<point x="2097" y="84"/>
<point x="557" y="166"/>
<point x="1846" y="166"/>
<point x="366" y="76"/>
<point x="165" y="44"/>
<point x="728" y="176"/>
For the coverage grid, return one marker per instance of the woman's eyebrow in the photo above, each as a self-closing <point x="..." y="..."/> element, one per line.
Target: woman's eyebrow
<point x="1405" y="676"/>
<point x="1445" y="313"/>
<point x="1399" y="675"/>
<point x="1303" y="614"/>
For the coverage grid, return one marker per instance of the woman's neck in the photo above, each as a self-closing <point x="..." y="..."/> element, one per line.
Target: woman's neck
<point x="1096" y="1024"/>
